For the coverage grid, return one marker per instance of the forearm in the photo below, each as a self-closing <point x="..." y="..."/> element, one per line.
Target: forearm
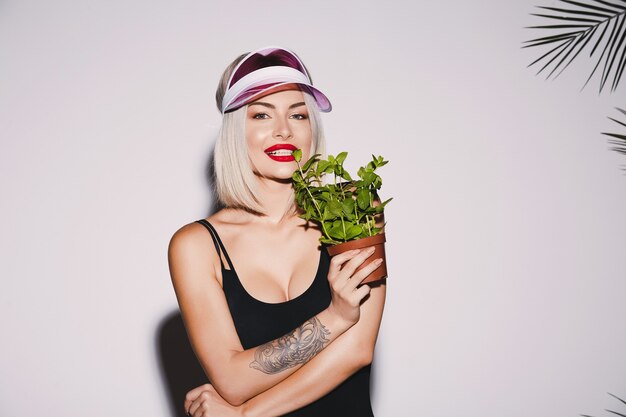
<point x="312" y="381"/>
<point x="349" y="353"/>
<point x="254" y="370"/>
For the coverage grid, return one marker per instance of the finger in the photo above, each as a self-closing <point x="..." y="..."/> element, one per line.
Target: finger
<point x="351" y="266"/>
<point x="193" y="407"/>
<point x="338" y="260"/>
<point x="361" y="292"/>
<point x="201" y="404"/>
<point x="196" y="407"/>
<point x="194" y="393"/>
<point x="188" y="404"/>
<point x="360" y="275"/>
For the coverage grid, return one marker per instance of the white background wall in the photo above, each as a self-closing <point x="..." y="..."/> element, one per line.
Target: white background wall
<point x="506" y="235"/>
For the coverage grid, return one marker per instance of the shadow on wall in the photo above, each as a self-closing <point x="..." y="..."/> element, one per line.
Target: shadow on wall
<point x="180" y="369"/>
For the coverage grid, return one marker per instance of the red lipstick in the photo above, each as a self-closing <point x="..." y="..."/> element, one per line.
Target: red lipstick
<point x="281" y="152"/>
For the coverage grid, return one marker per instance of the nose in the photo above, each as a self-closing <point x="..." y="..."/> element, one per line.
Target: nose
<point x="282" y="130"/>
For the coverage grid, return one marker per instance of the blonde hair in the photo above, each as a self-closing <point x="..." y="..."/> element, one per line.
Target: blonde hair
<point x="234" y="178"/>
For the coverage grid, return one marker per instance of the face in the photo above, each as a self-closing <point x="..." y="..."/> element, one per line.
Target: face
<point x="276" y="125"/>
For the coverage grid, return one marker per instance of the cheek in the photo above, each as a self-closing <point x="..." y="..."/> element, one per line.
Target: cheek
<point x="306" y="136"/>
<point x="255" y="136"/>
<point x="251" y="134"/>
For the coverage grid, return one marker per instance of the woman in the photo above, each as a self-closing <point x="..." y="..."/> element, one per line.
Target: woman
<point x="289" y="331"/>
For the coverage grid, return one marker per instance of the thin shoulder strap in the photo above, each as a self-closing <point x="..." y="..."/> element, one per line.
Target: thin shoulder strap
<point x="217" y="242"/>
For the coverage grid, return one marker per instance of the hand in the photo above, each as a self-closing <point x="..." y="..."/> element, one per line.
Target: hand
<point x="346" y="295"/>
<point x="204" y="401"/>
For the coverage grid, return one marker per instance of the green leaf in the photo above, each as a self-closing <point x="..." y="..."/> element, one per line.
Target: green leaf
<point x="363" y="199"/>
<point x="308" y="163"/>
<point x="321" y="166"/>
<point x="297" y="154"/>
<point x="335" y="208"/>
<point x="353" y="231"/>
<point x="348" y="206"/>
<point x="369" y="178"/>
<point x="326" y="214"/>
<point x="310" y="212"/>
<point x="324" y="196"/>
<point x="337" y="233"/>
<point x="341" y="157"/>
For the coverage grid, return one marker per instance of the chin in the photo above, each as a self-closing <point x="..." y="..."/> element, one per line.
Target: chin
<point x="283" y="174"/>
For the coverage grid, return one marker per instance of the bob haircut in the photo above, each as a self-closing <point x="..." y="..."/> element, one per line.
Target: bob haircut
<point x="234" y="178"/>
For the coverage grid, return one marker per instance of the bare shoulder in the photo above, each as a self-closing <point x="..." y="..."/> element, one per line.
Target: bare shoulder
<point x="195" y="236"/>
<point x="191" y="253"/>
<point x="190" y="237"/>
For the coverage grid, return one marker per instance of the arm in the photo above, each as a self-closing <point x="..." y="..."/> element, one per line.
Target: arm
<point x="239" y="374"/>
<point x="350" y="352"/>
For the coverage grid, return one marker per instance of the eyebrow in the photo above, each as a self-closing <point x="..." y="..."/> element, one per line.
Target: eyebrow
<point x="271" y="106"/>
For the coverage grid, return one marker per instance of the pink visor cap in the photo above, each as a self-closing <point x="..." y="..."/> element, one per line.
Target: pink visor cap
<point x="265" y="69"/>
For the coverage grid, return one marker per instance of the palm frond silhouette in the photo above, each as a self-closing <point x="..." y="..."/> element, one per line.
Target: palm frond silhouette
<point x="597" y="26"/>
<point x="619" y="139"/>
<point x="610" y="411"/>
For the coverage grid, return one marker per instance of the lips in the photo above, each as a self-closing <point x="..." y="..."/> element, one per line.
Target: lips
<point x="281" y="152"/>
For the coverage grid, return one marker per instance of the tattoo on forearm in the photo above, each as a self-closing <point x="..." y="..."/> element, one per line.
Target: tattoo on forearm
<point x="293" y="349"/>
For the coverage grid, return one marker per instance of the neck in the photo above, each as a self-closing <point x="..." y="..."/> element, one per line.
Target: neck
<point x="275" y="197"/>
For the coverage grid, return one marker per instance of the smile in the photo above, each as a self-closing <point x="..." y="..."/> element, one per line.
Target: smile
<point x="281" y="152"/>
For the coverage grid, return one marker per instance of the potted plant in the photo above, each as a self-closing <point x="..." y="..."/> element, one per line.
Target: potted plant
<point x="346" y="209"/>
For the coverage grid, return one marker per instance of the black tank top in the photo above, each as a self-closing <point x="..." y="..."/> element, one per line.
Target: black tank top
<point x="258" y="322"/>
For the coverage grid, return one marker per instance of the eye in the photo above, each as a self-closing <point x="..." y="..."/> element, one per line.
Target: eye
<point x="300" y="116"/>
<point x="260" y="116"/>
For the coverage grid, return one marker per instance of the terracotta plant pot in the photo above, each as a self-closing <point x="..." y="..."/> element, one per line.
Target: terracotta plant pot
<point x="378" y="241"/>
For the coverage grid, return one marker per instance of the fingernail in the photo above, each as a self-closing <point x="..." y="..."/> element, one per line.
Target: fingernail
<point x="371" y="250"/>
<point x="379" y="261"/>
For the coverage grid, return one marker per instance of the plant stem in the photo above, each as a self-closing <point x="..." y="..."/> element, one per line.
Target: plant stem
<point x="343" y="226"/>
<point x="340" y="188"/>
<point x="369" y="230"/>
<point x="313" y="199"/>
